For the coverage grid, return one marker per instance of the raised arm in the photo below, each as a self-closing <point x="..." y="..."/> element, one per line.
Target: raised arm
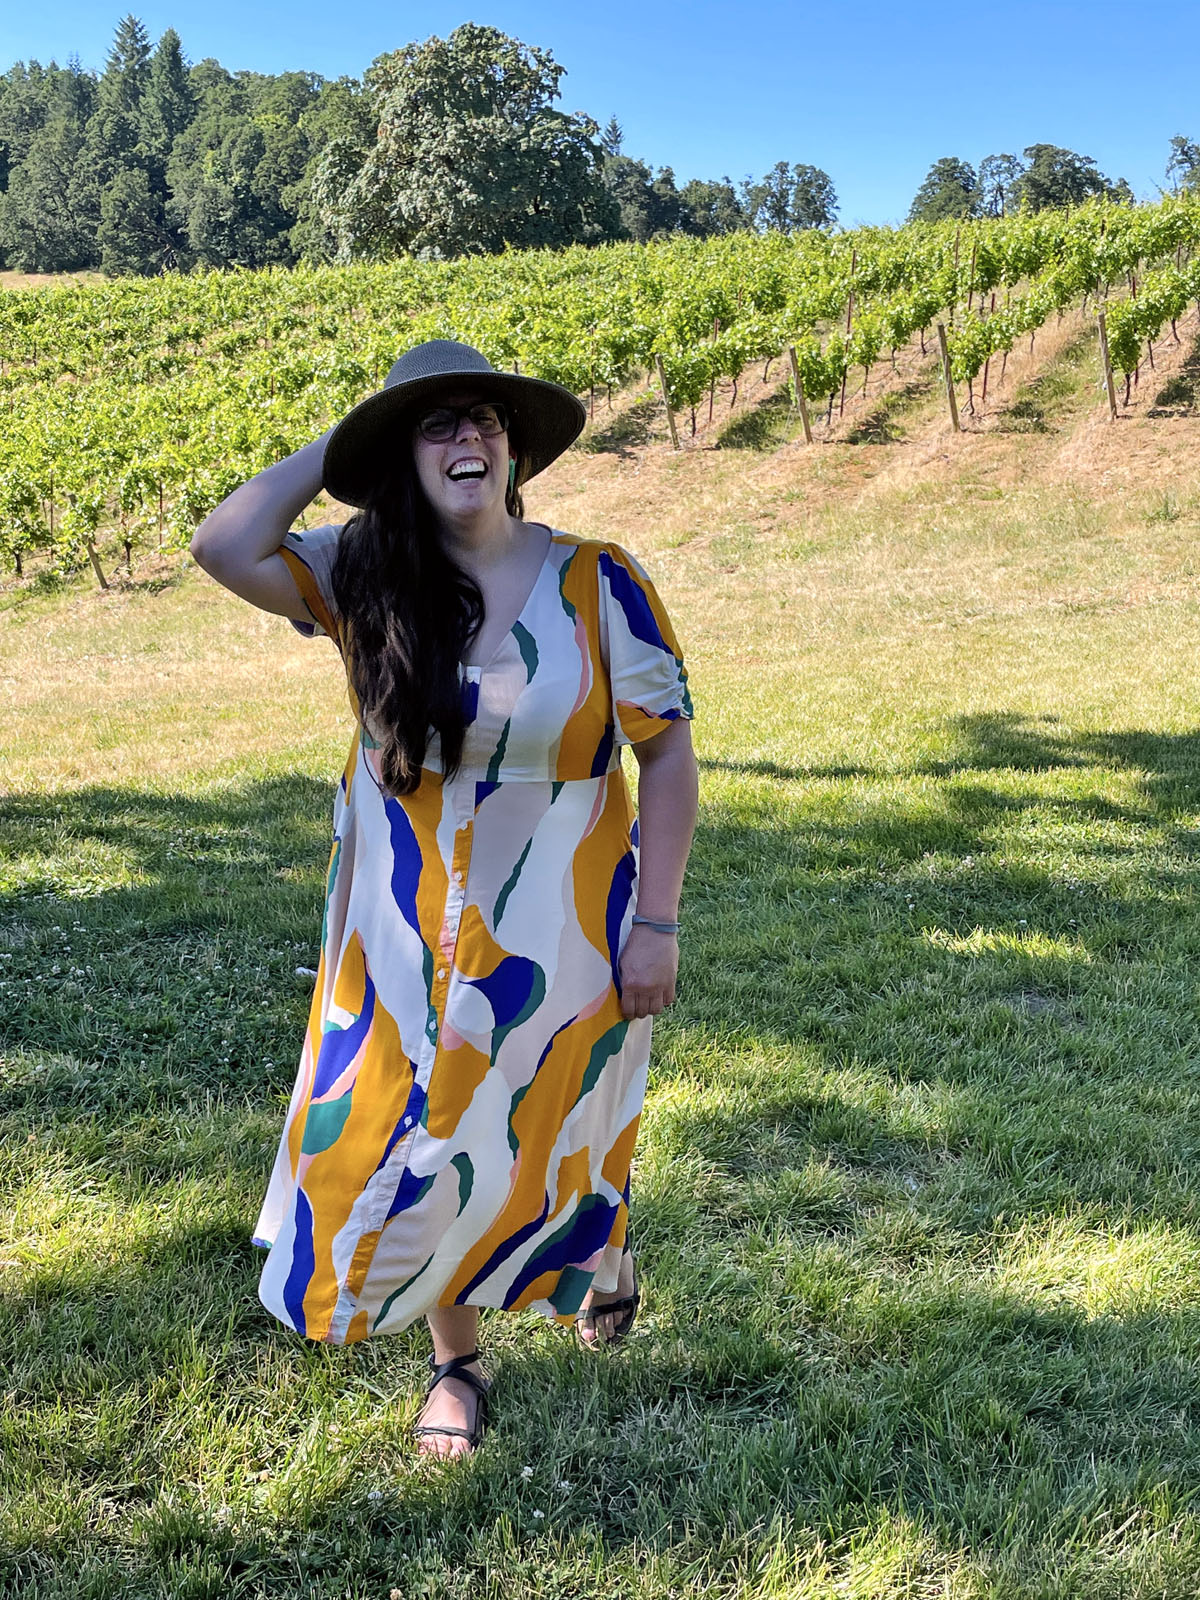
<point x="238" y="543"/>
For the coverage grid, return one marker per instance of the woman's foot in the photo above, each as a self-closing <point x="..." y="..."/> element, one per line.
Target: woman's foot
<point x="451" y="1421"/>
<point x="596" y="1326"/>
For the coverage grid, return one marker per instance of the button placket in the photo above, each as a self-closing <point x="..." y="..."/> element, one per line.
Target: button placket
<point x="456" y="884"/>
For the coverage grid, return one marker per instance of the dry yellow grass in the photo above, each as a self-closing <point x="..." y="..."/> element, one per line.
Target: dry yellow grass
<point x="46" y="280"/>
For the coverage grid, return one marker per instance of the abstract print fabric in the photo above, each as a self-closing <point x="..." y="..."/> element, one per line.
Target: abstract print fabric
<point x="464" y="1116"/>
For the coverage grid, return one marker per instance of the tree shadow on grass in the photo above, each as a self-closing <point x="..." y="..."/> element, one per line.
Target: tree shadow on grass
<point x="1178" y="396"/>
<point x="858" y="1108"/>
<point x="153" y="940"/>
<point x="786" y="1420"/>
<point x="1016" y="961"/>
<point x="765" y="426"/>
<point x="1169" y="763"/>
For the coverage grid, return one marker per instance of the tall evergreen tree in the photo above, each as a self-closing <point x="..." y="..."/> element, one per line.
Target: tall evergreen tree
<point x="167" y="105"/>
<point x="127" y="69"/>
<point x="31" y="96"/>
<point x="46" y="215"/>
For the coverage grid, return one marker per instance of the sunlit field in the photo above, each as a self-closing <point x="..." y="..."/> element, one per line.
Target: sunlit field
<point x="917" y="1201"/>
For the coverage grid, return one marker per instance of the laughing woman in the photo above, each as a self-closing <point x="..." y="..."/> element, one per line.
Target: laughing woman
<point x="493" y="951"/>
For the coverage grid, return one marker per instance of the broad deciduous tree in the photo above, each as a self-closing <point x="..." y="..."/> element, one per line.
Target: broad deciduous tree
<point x="997" y="182"/>
<point x="950" y="189"/>
<point x="1057" y="177"/>
<point x="711" y="206"/>
<point x="791" y="198"/>
<point x="471" y="154"/>
<point x="1183" y="164"/>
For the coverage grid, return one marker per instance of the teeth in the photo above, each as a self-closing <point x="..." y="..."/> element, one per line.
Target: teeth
<point x="468" y="469"/>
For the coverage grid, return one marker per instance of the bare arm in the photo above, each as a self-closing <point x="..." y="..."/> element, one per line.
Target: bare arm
<point x="238" y="543"/>
<point x="667" y="803"/>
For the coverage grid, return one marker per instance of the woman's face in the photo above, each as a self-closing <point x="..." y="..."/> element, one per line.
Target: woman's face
<point x="466" y="475"/>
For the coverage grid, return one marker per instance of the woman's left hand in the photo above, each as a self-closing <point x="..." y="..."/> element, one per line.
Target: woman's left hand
<point x="649" y="966"/>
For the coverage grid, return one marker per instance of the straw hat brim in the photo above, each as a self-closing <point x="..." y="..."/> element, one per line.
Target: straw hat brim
<point x="547" y="419"/>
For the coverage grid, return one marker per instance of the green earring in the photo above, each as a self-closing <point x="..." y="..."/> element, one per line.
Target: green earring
<point x="512" y="473"/>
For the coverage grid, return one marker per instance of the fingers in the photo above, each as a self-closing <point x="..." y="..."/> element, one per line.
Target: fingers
<point x="646" y="1000"/>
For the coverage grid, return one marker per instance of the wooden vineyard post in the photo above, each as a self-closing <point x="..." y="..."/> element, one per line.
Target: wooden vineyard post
<point x="662" y="378"/>
<point x="801" y="404"/>
<point x="988" y="362"/>
<point x="941" y="332"/>
<point x="712" y="382"/>
<point x="850" y="302"/>
<point x="95" y="560"/>
<point x="1108" y="371"/>
<point x="971" y="276"/>
<point x="957" y="248"/>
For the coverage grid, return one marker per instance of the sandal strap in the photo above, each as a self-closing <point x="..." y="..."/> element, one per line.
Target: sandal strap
<point x="610" y="1308"/>
<point x="456" y="1368"/>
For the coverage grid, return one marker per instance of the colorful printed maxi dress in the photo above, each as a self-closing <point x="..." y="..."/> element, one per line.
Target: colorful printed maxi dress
<point x="461" y="1128"/>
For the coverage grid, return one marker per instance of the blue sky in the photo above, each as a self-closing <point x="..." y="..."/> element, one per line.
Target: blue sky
<point x="871" y="92"/>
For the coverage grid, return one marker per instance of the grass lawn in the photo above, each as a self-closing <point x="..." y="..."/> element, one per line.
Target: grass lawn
<point x="918" y="1195"/>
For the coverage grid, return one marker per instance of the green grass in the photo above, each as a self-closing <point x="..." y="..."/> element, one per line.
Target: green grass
<point x="884" y="424"/>
<point x="771" y="423"/>
<point x="1040" y="402"/>
<point x="918" y="1196"/>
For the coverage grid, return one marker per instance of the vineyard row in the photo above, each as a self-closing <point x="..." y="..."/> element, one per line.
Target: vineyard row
<point x="137" y="405"/>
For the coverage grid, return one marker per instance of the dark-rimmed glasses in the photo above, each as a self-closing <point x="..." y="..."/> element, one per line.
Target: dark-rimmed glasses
<point x="487" y="417"/>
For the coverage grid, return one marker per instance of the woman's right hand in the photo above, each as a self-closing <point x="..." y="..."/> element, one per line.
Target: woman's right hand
<point x="238" y="543"/>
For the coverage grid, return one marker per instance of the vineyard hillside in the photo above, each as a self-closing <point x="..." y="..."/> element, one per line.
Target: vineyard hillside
<point x="133" y="407"/>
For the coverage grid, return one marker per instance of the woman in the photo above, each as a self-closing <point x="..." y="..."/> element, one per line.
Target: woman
<point x="492" y="955"/>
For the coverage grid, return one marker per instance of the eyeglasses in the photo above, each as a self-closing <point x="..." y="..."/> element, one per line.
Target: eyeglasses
<point x="488" y="419"/>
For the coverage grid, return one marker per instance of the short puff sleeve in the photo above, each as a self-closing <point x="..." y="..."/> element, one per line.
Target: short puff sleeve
<point x="309" y="557"/>
<point x="645" y="665"/>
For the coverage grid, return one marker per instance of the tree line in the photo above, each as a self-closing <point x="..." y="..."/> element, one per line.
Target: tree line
<point x="449" y="147"/>
<point x="444" y="148"/>
<point x="1044" y="176"/>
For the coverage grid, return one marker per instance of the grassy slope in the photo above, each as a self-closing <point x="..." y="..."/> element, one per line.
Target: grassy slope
<point x="917" y="1201"/>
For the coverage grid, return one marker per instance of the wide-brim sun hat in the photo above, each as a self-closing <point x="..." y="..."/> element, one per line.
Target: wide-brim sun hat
<point x="546" y="417"/>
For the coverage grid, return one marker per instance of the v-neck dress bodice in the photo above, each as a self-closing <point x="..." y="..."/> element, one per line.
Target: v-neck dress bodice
<point x="461" y="1127"/>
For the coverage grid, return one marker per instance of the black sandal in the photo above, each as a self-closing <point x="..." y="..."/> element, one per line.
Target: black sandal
<point x="455" y="1368"/>
<point x="624" y="1309"/>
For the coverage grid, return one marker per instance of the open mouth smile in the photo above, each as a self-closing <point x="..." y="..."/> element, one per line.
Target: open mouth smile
<point x="470" y="468"/>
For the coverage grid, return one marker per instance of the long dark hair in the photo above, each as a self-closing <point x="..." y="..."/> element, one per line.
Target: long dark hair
<point x="409" y="613"/>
